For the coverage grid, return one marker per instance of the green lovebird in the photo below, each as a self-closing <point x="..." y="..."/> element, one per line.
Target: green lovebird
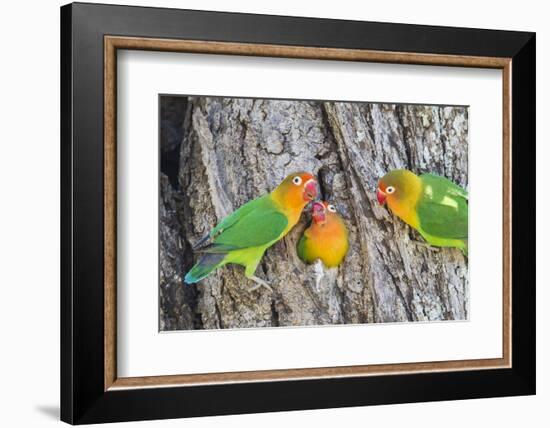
<point x="243" y="236"/>
<point x="431" y="204"/>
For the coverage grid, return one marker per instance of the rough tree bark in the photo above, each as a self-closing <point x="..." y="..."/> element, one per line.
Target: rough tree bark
<point x="233" y="150"/>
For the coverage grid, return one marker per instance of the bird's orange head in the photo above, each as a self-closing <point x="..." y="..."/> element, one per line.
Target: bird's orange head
<point x="296" y="190"/>
<point x="322" y="212"/>
<point x="397" y="186"/>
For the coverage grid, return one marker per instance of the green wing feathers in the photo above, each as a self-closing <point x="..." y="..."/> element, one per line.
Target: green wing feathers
<point x="301" y="248"/>
<point x="239" y="214"/>
<point x="257" y="229"/>
<point x="228" y="221"/>
<point x="241" y="238"/>
<point x="443" y="208"/>
<point x="255" y="224"/>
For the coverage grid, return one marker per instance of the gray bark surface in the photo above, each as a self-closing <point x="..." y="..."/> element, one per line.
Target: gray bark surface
<point x="234" y="150"/>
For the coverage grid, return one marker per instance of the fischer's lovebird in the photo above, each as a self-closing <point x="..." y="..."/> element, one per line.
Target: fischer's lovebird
<point x="243" y="236"/>
<point x="435" y="206"/>
<point x="327" y="237"/>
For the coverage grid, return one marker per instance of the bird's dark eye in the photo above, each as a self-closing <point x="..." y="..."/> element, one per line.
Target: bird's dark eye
<point x="297" y="180"/>
<point x="390" y="190"/>
<point x="332" y="208"/>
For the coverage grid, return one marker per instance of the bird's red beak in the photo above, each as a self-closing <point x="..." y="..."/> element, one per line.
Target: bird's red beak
<point x="310" y="190"/>
<point x="381" y="196"/>
<point x="318" y="212"/>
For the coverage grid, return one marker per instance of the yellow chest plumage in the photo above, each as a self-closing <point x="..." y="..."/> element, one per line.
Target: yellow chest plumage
<point x="327" y="242"/>
<point x="405" y="208"/>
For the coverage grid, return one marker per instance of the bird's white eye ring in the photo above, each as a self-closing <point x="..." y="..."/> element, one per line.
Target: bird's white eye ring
<point x="297" y="180"/>
<point x="390" y="190"/>
<point x="331" y="208"/>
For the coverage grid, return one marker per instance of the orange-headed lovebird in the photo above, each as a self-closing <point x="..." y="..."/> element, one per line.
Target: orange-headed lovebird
<point x="431" y="204"/>
<point x="327" y="237"/>
<point x="243" y="236"/>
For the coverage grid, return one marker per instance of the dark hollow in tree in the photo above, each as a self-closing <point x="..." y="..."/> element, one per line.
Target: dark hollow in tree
<point x="218" y="153"/>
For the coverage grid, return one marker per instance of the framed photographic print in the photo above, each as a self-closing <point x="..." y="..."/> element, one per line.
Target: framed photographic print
<point x="264" y="213"/>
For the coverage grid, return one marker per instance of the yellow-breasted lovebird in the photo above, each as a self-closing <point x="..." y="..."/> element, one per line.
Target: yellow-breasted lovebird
<point x="435" y="206"/>
<point x="243" y="236"/>
<point x="326" y="239"/>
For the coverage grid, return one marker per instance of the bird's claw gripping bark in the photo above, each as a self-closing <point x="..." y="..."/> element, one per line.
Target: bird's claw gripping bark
<point x="259" y="283"/>
<point x="426" y="245"/>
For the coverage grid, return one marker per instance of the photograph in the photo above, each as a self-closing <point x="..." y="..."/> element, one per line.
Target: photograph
<point x="293" y="213"/>
<point x="271" y="214"/>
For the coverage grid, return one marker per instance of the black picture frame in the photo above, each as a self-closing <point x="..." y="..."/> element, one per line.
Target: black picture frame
<point x="83" y="398"/>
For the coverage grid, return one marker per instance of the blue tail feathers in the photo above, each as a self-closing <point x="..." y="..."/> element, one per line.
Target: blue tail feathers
<point x="207" y="263"/>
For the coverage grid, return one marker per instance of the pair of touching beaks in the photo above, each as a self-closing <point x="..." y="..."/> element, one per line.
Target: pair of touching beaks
<point x="318" y="205"/>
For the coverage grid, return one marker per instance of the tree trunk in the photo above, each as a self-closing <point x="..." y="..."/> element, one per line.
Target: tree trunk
<point x="234" y="150"/>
